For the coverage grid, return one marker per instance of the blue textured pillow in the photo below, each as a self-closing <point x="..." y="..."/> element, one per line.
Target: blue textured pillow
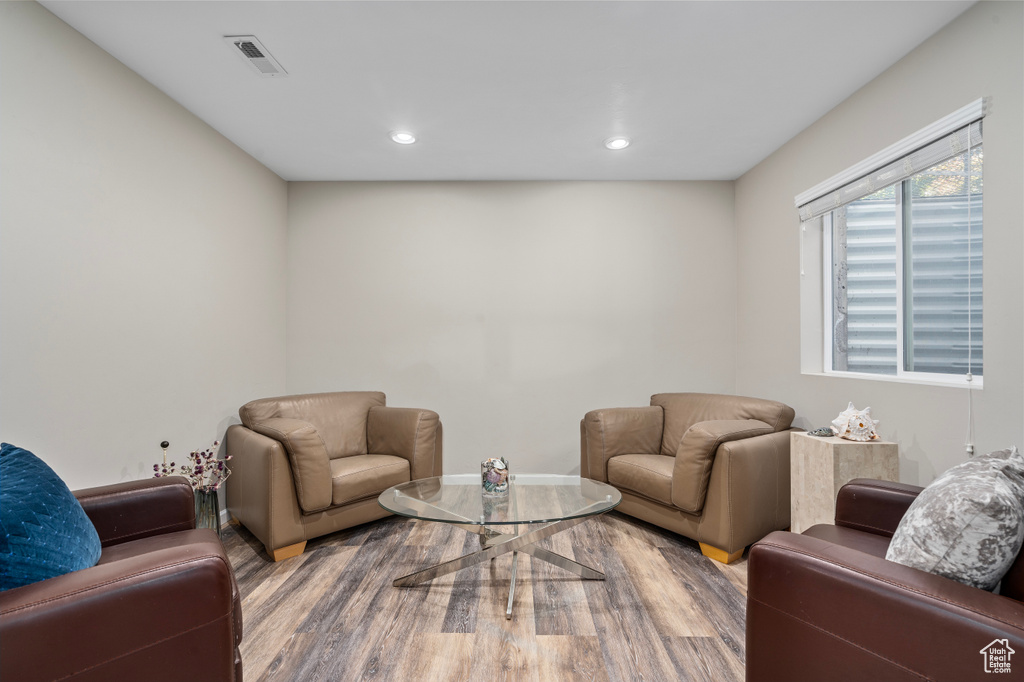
<point x="44" y="531"/>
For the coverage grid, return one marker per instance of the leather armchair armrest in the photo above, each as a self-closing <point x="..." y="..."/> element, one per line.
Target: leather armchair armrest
<point x="748" y="494"/>
<point x="874" y="506"/>
<point x="311" y="467"/>
<point x="696" y="454"/>
<point x="138" y="509"/>
<point x="818" y="611"/>
<point x="618" y="431"/>
<point x="162" y="614"/>
<point x="406" y="432"/>
<point x="260" y="492"/>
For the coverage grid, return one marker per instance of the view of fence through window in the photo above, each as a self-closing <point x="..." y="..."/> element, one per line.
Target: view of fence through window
<point x="907" y="274"/>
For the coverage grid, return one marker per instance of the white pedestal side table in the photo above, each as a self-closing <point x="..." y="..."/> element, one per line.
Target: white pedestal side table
<point x="819" y="467"/>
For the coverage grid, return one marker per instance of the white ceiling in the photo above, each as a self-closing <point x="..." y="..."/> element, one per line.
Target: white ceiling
<point x="509" y="89"/>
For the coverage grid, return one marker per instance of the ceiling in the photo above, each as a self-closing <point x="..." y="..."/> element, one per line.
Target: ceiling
<point x="509" y="89"/>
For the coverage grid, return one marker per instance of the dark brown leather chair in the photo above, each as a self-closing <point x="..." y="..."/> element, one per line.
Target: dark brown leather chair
<point x="826" y="605"/>
<point x="714" y="468"/>
<point x="161" y="604"/>
<point x="308" y="465"/>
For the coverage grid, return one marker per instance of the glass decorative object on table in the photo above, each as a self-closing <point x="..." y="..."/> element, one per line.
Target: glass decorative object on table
<point x="206" y="473"/>
<point x="208" y="510"/>
<point x="494" y="476"/>
<point x="495" y="508"/>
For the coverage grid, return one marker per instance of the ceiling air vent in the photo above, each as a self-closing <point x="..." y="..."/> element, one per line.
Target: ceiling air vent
<point x="256" y="56"/>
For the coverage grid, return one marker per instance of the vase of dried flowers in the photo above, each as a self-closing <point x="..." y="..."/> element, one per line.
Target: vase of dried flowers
<point x="208" y="510"/>
<point x="206" y="473"/>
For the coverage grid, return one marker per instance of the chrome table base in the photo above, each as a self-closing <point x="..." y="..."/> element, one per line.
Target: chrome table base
<point x="493" y="544"/>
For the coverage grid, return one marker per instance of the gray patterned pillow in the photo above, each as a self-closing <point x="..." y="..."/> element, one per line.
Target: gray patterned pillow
<point x="968" y="525"/>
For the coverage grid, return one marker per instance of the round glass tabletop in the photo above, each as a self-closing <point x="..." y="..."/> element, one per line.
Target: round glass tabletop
<point x="435" y="499"/>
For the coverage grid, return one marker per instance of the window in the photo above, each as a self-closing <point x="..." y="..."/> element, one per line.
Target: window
<point x="902" y="262"/>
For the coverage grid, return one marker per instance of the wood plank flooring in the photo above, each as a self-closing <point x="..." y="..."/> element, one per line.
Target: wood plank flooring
<point x="665" y="612"/>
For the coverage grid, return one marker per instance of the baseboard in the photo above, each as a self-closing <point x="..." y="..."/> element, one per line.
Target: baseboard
<point x="521" y="479"/>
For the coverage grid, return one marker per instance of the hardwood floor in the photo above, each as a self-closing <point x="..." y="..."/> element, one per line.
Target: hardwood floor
<point x="665" y="612"/>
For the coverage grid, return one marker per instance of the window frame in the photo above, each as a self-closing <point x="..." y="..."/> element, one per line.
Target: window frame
<point x="902" y="375"/>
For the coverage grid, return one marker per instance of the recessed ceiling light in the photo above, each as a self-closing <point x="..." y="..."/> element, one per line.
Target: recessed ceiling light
<point x="616" y="142"/>
<point x="402" y="137"/>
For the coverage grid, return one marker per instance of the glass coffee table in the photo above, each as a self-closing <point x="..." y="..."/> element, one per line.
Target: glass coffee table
<point x="510" y="523"/>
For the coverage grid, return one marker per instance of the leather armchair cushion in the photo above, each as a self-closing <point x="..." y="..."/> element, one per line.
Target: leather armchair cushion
<point x="339" y="417"/>
<point x="647" y="475"/>
<point x="683" y="410"/>
<point x="361" y="476"/>
<point x="311" y="467"/>
<point x="692" y="468"/>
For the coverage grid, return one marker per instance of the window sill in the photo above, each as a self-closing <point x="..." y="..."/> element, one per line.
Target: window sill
<point x="952" y="382"/>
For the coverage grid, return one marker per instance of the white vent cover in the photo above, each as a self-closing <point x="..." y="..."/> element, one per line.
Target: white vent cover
<point x="256" y="56"/>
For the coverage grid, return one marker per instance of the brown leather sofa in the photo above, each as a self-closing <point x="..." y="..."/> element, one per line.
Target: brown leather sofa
<point x="161" y="604"/>
<point x="714" y="468"/>
<point x="306" y="465"/>
<point x="826" y="605"/>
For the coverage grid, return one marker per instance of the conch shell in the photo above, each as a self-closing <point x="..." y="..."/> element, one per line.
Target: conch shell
<point x="854" y="424"/>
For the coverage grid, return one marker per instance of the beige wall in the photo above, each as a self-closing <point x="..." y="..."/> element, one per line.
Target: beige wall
<point x="142" y="269"/>
<point x="143" y="274"/>
<point x="978" y="54"/>
<point x="511" y="308"/>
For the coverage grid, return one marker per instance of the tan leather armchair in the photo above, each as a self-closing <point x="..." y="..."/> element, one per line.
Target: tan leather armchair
<point x="306" y="465"/>
<point x="714" y="468"/>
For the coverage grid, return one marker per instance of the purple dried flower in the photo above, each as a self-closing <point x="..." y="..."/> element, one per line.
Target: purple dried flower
<point x="204" y="471"/>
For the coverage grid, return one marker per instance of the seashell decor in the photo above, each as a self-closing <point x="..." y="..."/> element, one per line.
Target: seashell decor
<point x="854" y="424"/>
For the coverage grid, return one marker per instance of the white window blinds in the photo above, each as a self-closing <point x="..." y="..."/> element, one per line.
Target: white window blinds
<point x="903" y="255"/>
<point x="952" y="145"/>
<point x="942" y="140"/>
